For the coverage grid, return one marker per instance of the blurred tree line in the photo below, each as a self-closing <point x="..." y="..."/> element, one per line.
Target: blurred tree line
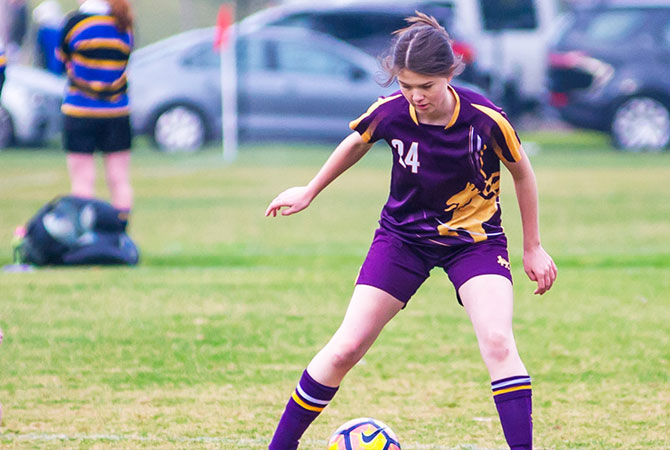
<point x="242" y="8"/>
<point x="155" y="19"/>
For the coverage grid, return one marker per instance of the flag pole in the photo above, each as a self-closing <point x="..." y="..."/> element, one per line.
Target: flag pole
<point x="225" y="42"/>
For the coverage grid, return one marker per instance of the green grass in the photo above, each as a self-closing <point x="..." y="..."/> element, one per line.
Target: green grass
<point x="202" y="343"/>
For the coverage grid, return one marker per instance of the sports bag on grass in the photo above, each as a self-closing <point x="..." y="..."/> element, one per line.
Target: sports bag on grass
<point x="76" y="231"/>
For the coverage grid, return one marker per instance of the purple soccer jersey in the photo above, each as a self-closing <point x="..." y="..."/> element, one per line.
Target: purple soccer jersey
<point x="445" y="181"/>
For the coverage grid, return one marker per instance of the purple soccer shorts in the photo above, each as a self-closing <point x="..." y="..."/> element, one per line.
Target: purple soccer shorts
<point x="399" y="268"/>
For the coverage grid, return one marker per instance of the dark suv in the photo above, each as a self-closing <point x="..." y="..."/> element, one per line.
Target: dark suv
<point x="367" y="24"/>
<point x="609" y="71"/>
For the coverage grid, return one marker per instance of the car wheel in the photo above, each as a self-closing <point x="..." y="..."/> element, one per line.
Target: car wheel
<point x="641" y="123"/>
<point x="180" y="129"/>
<point x="6" y="128"/>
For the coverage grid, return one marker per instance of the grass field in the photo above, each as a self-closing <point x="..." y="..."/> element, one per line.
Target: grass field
<point x="201" y="345"/>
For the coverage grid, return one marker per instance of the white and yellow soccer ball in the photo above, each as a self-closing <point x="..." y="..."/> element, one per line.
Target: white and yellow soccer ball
<point x="364" y="433"/>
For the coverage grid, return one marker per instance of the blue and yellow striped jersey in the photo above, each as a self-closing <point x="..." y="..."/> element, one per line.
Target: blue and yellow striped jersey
<point x="95" y="53"/>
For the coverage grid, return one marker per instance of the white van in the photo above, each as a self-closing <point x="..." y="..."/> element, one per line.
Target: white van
<point x="511" y="38"/>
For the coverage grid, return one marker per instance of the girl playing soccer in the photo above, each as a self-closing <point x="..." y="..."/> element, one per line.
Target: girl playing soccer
<point x="443" y="210"/>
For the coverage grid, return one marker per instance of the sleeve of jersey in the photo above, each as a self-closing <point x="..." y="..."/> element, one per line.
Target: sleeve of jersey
<point x="368" y="125"/>
<point x="506" y="142"/>
<point x="63" y="49"/>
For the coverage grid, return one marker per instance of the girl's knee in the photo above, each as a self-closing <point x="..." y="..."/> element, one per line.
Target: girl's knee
<point x="497" y="346"/>
<point x="346" y="355"/>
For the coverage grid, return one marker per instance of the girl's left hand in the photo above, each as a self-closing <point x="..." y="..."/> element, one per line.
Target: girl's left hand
<point x="540" y="268"/>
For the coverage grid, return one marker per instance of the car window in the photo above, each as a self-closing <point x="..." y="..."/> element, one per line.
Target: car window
<point x="367" y="28"/>
<point x="508" y="14"/>
<point x="665" y="30"/>
<point x="608" y="27"/>
<point x="347" y="26"/>
<point x="298" y="58"/>
<point x="250" y="55"/>
<point x="295" y="20"/>
<point x="202" y="55"/>
<point x="351" y="26"/>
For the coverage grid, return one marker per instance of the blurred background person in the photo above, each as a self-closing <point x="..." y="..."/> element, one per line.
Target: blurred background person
<point x="48" y="20"/>
<point x="95" y="47"/>
<point x="14" y="26"/>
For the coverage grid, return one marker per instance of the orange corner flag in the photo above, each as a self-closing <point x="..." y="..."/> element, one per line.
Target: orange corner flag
<point x="224" y="20"/>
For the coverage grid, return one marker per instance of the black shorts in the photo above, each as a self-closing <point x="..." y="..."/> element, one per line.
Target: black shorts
<point x="85" y="135"/>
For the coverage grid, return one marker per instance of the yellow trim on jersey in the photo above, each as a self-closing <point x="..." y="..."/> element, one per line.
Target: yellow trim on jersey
<point x="412" y="114"/>
<point x="101" y="20"/>
<point x="366" y="136"/>
<point x="299" y="401"/>
<point x="98" y="113"/>
<point x="512" y="389"/>
<point x="380" y="101"/>
<point x="98" y="43"/>
<point x="513" y="143"/>
<point x="72" y="90"/>
<point x="3" y="60"/>
<point x="99" y="63"/>
<point x="98" y="86"/>
<point x="457" y="108"/>
<point x="497" y="150"/>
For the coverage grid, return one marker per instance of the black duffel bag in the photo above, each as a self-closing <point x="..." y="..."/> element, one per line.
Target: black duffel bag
<point x="76" y="231"/>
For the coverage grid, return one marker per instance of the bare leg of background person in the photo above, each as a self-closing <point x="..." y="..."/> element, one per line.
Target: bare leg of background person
<point x="82" y="174"/>
<point x="117" y="173"/>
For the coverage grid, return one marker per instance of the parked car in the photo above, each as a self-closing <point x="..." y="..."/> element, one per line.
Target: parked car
<point x="30" y="113"/>
<point x="292" y="84"/>
<point x="367" y="24"/>
<point x="609" y="71"/>
<point x="504" y="43"/>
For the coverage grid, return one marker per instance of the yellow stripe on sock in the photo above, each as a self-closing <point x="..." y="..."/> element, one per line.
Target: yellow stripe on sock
<point x="512" y="389"/>
<point x="299" y="401"/>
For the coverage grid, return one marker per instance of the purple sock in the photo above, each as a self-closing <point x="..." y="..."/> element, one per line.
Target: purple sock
<point x="307" y="401"/>
<point x="513" y="401"/>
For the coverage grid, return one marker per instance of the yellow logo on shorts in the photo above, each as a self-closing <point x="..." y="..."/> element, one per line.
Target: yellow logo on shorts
<point x="503" y="262"/>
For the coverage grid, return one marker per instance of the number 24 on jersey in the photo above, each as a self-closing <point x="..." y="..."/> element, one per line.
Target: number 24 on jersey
<point x="411" y="159"/>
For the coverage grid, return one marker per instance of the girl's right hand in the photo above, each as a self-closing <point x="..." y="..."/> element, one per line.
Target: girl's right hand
<point x="294" y="200"/>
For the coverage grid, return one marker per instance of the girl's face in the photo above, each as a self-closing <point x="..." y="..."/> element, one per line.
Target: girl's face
<point x="428" y="94"/>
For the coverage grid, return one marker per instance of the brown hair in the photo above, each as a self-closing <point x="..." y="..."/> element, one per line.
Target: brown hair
<point x="423" y="47"/>
<point x="122" y="14"/>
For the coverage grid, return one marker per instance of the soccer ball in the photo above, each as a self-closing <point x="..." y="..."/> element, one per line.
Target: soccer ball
<point x="363" y="433"/>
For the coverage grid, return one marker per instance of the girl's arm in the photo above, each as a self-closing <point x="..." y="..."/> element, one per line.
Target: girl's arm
<point x="537" y="263"/>
<point x="295" y="199"/>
